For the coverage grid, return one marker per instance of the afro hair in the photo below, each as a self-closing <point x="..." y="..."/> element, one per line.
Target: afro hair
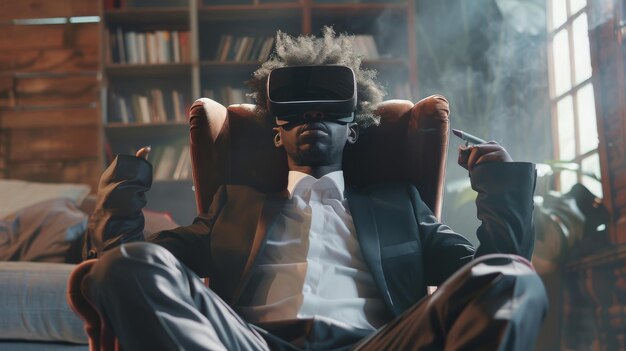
<point x="329" y="49"/>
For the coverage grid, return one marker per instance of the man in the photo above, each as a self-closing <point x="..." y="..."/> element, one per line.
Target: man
<point x="301" y="269"/>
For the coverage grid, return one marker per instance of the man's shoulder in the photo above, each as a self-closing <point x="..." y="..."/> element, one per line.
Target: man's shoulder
<point x="384" y="187"/>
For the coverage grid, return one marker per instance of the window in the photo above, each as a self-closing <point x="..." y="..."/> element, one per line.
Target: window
<point x="572" y="100"/>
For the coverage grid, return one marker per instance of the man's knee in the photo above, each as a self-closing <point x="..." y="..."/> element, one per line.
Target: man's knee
<point x="119" y="267"/>
<point x="513" y="276"/>
<point x="509" y="277"/>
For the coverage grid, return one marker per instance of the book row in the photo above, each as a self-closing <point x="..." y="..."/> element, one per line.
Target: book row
<point x="120" y="4"/>
<point x="171" y="161"/>
<point x="228" y="95"/>
<point x="243" y="48"/>
<point x="365" y="45"/>
<point x="148" y="47"/>
<point x="152" y="107"/>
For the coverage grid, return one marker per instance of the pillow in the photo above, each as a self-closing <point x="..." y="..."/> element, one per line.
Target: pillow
<point x="49" y="231"/>
<point x="18" y="194"/>
<point x="33" y="305"/>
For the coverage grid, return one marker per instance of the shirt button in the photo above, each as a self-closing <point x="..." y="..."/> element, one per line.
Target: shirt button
<point x="306" y="289"/>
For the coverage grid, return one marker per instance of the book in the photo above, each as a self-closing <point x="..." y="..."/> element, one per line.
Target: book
<point x="185" y="51"/>
<point x="175" y="46"/>
<point x="232" y="54"/>
<point x="144" y="108"/>
<point x="121" y="47"/>
<point x="266" y="50"/>
<point x="255" y="49"/>
<point x="130" y="47"/>
<point x="123" y="110"/>
<point x="159" y="106"/>
<point x="166" y="46"/>
<point x="141" y="47"/>
<point x="183" y="162"/>
<point x="151" y="46"/>
<point x="167" y="164"/>
<point x="226" y="49"/>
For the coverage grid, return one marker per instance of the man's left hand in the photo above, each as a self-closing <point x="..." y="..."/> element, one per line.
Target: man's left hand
<point x="473" y="155"/>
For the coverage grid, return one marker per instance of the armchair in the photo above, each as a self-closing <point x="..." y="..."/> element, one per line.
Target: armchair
<point x="234" y="146"/>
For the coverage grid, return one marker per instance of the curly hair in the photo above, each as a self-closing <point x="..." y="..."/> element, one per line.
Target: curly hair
<point x="330" y="48"/>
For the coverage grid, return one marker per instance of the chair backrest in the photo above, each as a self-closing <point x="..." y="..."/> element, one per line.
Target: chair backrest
<point x="235" y="146"/>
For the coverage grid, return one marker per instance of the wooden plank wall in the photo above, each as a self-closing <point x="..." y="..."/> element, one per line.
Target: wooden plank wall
<point x="50" y="118"/>
<point x="609" y="59"/>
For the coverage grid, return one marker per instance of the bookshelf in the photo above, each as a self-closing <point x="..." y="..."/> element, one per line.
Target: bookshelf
<point x="160" y="55"/>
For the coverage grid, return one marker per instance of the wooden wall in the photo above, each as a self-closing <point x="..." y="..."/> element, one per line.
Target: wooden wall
<point x="595" y="284"/>
<point x="50" y="118"/>
<point x="608" y="47"/>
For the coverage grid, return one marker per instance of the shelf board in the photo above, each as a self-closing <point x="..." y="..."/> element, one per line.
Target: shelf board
<point x="228" y="67"/>
<point x="356" y="9"/>
<point x="118" y="70"/>
<point x="607" y="256"/>
<point x="147" y="15"/>
<point x="123" y="132"/>
<point x="249" y="11"/>
<point x="116" y="125"/>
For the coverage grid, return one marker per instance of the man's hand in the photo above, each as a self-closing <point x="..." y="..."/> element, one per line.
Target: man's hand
<point x="470" y="156"/>
<point x="143" y="152"/>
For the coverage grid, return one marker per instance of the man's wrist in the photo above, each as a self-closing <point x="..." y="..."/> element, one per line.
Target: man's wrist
<point x="496" y="177"/>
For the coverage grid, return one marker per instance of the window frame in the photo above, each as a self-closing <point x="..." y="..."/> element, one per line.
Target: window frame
<point x="572" y="91"/>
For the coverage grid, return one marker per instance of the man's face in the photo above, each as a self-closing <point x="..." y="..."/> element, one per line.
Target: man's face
<point x="315" y="142"/>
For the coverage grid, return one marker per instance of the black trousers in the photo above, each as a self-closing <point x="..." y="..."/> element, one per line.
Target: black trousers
<point x="153" y="302"/>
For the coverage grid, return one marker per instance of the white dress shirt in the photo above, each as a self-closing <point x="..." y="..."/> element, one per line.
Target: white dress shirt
<point x="311" y="265"/>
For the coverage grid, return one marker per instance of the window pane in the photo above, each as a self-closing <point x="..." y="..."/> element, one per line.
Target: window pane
<point x="582" y="56"/>
<point x="591" y="164"/>
<point x="587" y="127"/>
<point x="565" y="120"/>
<point x="560" y="49"/>
<point x="567" y="179"/>
<point x="559" y="13"/>
<point x="576" y="5"/>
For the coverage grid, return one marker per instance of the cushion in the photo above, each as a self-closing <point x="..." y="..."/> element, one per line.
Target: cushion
<point x="49" y="231"/>
<point x="33" y="305"/>
<point x="18" y="194"/>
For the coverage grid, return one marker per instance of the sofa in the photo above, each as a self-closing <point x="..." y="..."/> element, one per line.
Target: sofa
<point x="41" y="231"/>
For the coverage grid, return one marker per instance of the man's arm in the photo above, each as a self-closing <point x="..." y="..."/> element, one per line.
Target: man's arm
<point x="504" y="203"/>
<point x="118" y="216"/>
<point x="505" y="207"/>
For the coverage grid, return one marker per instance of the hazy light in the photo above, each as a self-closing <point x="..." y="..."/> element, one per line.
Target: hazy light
<point x="56" y="20"/>
<point x="565" y="121"/>
<point x="85" y="19"/>
<point x="559" y="13"/>
<point x="591" y="165"/>
<point x="576" y="5"/>
<point x="587" y="128"/>
<point x="561" y="62"/>
<point x="40" y="21"/>
<point x="582" y="56"/>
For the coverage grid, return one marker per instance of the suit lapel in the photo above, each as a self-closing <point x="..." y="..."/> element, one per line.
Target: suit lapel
<point x="367" y="234"/>
<point x="238" y="236"/>
<point x="269" y="213"/>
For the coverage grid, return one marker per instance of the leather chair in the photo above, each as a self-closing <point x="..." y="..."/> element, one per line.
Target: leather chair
<point x="235" y="146"/>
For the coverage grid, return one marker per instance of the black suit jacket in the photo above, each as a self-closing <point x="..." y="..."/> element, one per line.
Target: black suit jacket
<point x="403" y="244"/>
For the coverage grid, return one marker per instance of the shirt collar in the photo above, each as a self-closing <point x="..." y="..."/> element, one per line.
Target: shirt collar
<point x="301" y="184"/>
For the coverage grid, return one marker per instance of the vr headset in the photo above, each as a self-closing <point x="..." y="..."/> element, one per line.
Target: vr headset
<point x="292" y="91"/>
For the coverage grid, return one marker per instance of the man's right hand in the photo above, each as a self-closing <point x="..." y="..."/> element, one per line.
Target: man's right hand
<point x="143" y="152"/>
<point x="471" y="156"/>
